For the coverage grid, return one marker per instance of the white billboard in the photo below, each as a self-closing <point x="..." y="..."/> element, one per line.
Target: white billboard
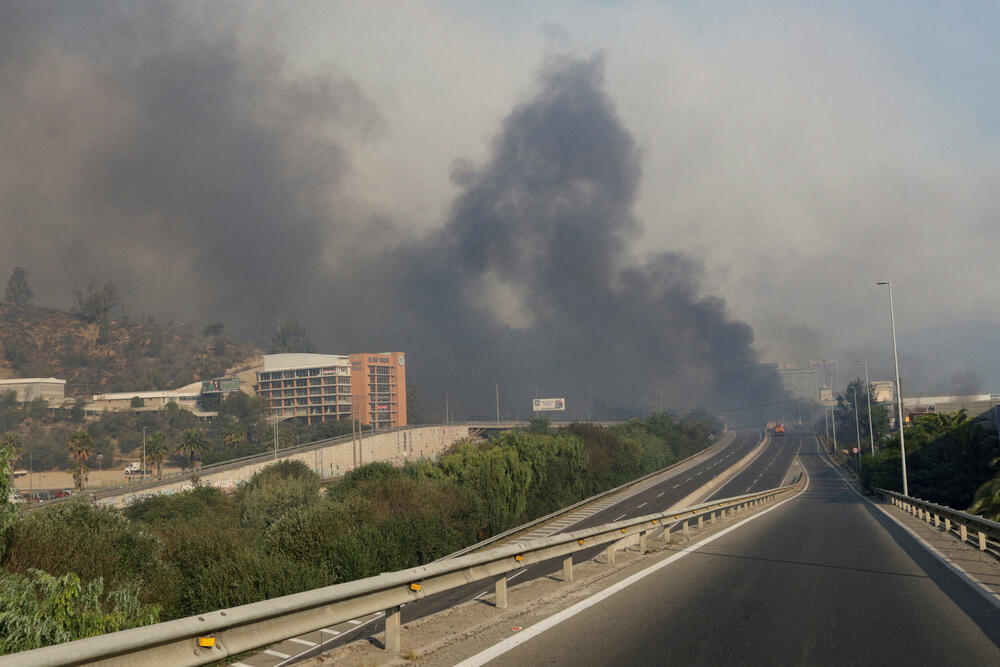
<point x="547" y="404"/>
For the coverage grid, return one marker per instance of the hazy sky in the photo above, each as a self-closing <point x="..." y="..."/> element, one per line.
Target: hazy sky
<point x="789" y="155"/>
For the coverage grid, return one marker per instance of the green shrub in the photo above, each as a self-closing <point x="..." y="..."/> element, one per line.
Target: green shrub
<point x="89" y="541"/>
<point x="39" y="609"/>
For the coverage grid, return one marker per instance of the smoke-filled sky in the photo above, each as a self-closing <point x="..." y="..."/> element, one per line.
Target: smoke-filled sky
<point x="609" y="201"/>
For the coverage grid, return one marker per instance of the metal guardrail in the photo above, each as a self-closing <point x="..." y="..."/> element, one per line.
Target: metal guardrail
<point x="217" y="635"/>
<point x="586" y="501"/>
<point x="956" y="522"/>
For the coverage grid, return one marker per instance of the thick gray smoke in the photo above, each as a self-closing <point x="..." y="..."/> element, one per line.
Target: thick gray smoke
<point x="188" y="166"/>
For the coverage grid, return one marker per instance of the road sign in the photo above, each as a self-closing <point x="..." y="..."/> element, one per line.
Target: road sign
<point x="855" y="450"/>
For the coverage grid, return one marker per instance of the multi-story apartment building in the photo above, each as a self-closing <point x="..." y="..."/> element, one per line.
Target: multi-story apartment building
<point x="312" y="387"/>
<point x="379" y="382"/>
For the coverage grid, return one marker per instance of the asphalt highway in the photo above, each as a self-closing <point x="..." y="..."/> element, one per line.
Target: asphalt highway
<point x="656" y="498"/>
<point x="822" y="579"/>
<point x="768" y="470"/>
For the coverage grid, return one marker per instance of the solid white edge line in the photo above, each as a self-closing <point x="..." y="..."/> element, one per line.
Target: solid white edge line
<point x="530" y="632"/>
<point x="970" y="579"/>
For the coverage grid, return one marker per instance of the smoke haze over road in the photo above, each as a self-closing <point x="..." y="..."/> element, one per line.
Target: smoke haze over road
<point x="408" y="179"/>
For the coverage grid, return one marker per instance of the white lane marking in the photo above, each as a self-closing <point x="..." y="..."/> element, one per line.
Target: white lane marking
<point x="276" y="654"/>
<point x="354" y="621"/>
<point x="641" y="506"/>
<point x="288" y="661"/>
<point x="675" y="486"/>
<point x="971" y="580"/>
<point x="613" y="520"/>
<point x="524" y="635"/>
<point x="304" y="642"/>
<point x="329" y="631"/>
<point x="239" y="664"/>
<point x="660" y="494"/>
<point x="688" y="479"/>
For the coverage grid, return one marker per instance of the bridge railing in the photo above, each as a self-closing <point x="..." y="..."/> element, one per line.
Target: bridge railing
<point x="968" y="528"/>
<point x="217" y="635"/>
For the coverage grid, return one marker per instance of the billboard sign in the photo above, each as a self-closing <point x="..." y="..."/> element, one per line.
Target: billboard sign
<point x="548" y="404"/>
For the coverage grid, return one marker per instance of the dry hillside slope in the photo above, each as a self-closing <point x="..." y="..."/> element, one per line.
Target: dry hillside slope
<point x="42" y="342"/>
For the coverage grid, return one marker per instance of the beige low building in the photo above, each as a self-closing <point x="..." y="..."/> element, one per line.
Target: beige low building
<point x="27" y="389"/>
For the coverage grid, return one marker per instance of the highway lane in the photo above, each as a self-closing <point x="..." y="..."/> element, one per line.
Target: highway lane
<point x="656" y="498"/>
<point x="768" y="470"/>
<point x="822" y="579"/>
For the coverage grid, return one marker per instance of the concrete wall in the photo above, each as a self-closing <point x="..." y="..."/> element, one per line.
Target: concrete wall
<point x="395" y="447"/>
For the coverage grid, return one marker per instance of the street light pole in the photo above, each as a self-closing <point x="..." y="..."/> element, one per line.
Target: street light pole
<point x="899" y="389"/>
<point x="498" y="404"/>
<point x="144" y="452"/>
<point x="857" y="424"/>
<point x="868" y="395"/>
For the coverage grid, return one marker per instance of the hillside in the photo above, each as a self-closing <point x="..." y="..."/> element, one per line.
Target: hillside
<point x="42" y="342"/>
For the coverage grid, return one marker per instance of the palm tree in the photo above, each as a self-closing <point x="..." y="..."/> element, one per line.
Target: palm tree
<point x="192" y="442"/>
<point x="157" y="448"/>
<point x="234" y="435"/>
<point x="80" y="444"/>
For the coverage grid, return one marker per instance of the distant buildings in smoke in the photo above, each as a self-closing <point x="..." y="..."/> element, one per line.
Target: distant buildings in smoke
<point x="314" y="388"/>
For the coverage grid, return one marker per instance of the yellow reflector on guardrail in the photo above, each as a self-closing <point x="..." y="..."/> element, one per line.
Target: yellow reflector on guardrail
<point x="519" y="557"/>
<point x="414" y="586"/>
<point x="206" y="642"/>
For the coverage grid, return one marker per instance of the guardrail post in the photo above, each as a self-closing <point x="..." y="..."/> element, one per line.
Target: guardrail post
<point x="667" y="537"/>
<point x="392" y="629"/>
<point x="568" y="569"/>
<point x="609" y="553"/>
<point x="982" y="540"/>
<point x="501" y="592"/>
<point x="701" y="521"/>
<point x="947" y="525"/>
<point x="937" y="519"/>
<point x="687" y="532"/>
<point x="963" y="532"/>
<point x="927" y="515"/>
<point x="643" y="542"/>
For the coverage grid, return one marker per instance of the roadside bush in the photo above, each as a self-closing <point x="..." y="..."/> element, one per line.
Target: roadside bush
<point x="39" y="609"/>
<point x="88" y="541"/>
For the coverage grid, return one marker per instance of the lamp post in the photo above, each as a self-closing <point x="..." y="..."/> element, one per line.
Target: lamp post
<point x="144" y="452"/>
<point x="899" y="390"/>
<point x="868" y="395"/>
<point x="857" y="424"/>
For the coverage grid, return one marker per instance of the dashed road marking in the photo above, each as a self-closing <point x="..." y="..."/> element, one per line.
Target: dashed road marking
<point x="354" y="621"/>
<point x="329" y="631"/>
<point x="276" y="654"/>
<point x="613" y="520"/>
<point x="660" y="494"/>
<point x="304" y="642"/>
<point x="641" y="506"/>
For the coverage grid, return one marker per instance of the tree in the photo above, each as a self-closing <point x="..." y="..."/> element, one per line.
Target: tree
<point x="290" y="336"/>
<point x="844" y="414"/>
<point x="157" y="449"/>
<point x="213" y="329"/>
<point x="18" y="290"/>
<point x="137" y="402"/>
<point x="94" y="303"/>
<point x="80" y="445"/>
<point x="10" y="450"/>
<point x="414" y="415"/>
<point x="539" y="424"/>
<point x="234" y="435"/>
<point x="191" y="443"/>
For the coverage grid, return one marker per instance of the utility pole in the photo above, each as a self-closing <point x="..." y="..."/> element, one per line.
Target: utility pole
<point x="857" y="427"/>
<point x="275" y="439"/>
<point x="144" y="452"/>
<point x="446" y="419"/>
<point x="498" y="404"/>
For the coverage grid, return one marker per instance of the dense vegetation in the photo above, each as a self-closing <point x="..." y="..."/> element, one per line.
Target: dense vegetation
<point x="948" y="457"/>
<point x="284" y="531"/>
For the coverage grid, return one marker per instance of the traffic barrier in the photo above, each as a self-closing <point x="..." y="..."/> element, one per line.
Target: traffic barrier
<point x="956" y="522"/>
<point x="252" y="626"/>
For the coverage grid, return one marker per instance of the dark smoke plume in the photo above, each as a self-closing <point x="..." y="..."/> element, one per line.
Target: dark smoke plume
<point x="167" y="151"/>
